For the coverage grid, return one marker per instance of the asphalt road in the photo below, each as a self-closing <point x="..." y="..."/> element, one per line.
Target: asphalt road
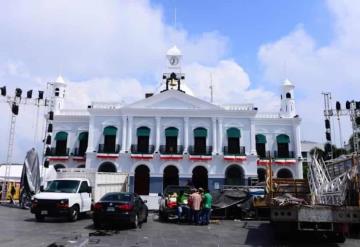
<point x="19" y="228"/>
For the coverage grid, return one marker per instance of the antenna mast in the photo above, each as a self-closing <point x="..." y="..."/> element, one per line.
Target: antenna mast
<point x="211" y="89"/>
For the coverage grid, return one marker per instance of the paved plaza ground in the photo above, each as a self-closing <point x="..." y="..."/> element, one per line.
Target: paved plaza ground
<point x="19" y="228"/>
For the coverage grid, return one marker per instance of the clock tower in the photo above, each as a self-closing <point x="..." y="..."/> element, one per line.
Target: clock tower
<point x="174" y="76"/>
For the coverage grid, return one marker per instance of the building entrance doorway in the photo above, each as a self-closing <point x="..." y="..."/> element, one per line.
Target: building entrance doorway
<point x="142" y="180"/>
<point x="200" y="177"/>
<point x="234" y="175"/>
<point x="170" y="176"/>
<point x="261" y="174"/>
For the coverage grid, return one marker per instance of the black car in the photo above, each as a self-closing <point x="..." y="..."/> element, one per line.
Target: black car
<point x="121" y="208"/>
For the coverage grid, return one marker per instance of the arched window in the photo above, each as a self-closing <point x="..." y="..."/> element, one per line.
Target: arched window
<point x="288" y="95"/>
<point x="109" y="145"/>
<point x="171" y="137"/>
<point x="107" y="167"/>
<point x="233" y="135"/>
<point x="61" y="144"/>
<point x="261" y="145"/>
<point x="200" y="135"/>
<point x="143" y="136"/>
<point x="283" y="146"/>
<point x="81" y="166"/>
<point x="83" y="143"/>
<point x="284" y="173"/>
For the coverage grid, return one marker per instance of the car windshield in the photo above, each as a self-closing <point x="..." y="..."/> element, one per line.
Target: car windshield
<point x="116" y="197"/>
<point x="63" y="186"/>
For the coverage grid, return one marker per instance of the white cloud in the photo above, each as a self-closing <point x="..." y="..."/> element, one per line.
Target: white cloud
<point x="314" y="69"/>
<point x="231" y="84"/>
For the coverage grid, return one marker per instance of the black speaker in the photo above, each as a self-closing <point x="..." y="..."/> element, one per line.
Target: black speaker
<point x="327" y="123"/>
<point x="51" y="115"/>
<point x="50" y="128"/>
<point x="46" y="164"/>
<point x="48" y="140"/>
<point x="348" y="105"/>
<point x="3" y="91"/>
<point x="15" y="109"/>
<point x="18" y="92"/>
<point x="328" y="136"/>
<point x="29" y="94"/>
<point x="41" y="94"/>
<point x="338" y="106"/>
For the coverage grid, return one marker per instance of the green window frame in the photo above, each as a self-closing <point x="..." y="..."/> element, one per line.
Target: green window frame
<point x="282" y="138"/>
<point x="233" y="133"/>
<point x="61" y="136"/>
<point x="110" y="131"/>
<point x="200" y="132"/>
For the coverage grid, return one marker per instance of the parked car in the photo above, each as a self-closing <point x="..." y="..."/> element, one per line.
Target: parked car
<point x="121" y="208"/>
<point x="167" y="203"/>
<point x="63" y="198"/>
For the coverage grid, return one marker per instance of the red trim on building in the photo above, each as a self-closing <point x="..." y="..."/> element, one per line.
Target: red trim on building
<point x="142" y="156"/>
<point x="285" y="162"/>
<point x="171" y="157"/>
<point x="280" y="162"/>
<point x="199" y="158"/>
<point x="263" y="162"/>
<point x="78" y="158"/>
<point x="107" y="156"/>
<point x="58" y="158"/>
<point x="235" y="158"/>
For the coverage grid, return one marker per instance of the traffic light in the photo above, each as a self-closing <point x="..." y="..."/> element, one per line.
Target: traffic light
<point x="3" y="91"/>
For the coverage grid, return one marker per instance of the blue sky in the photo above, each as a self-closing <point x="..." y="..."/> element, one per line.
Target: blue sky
<point x="249" y="24"/>
<point x="114" y="50"/>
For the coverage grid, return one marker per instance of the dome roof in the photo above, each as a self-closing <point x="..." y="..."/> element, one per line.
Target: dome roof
<point x="287" y="82"/>
<point x="60" y="79"/>
<point x="173" y="51"/>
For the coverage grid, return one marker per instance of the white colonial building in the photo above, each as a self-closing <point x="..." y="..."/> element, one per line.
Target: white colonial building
<point x="172" y="137"/>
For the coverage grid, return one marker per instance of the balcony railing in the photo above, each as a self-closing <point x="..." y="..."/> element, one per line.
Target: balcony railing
<point x="238" y="151"/>
<point x="109" y="149"/>
<point x="54" y="152"/>
<point x="171" y="149"/>
<point x="265" y="156"/>
<point x="136" y="149"/>
<point x="284" y="155"/>
<point x="79" y="152"/>
<point x="200" y="150"/>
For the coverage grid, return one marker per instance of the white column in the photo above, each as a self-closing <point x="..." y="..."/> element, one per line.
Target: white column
<point x="186" y="134"/>
<point x="129" y="132"/>
<point x="252" y="137"/>
<point x="123" y="134"/>
<point x="157" y="142"/>
<point x="297" y="148"/>
<point x="214" y="142"/>
<point x="91" y="144"/>
<point x="220" y="147"/>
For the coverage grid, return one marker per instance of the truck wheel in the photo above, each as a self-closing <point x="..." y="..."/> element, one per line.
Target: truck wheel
<point x="74" y="213"/>
<point x="162" y="216"/>
<point x="135" y="224"/>
<point x="39" y="217"/>
<point x="339" y="238"/>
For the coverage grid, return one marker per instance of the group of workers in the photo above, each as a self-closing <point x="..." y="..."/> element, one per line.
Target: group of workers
<point x="196" y="207"/>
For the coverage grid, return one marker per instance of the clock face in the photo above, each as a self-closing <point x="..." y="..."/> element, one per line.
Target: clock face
<point x="174" y="60"/>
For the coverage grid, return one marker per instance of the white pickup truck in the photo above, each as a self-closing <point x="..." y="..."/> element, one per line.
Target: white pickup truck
<point x="63" y="197"/>
<point x="73" y="192"/>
